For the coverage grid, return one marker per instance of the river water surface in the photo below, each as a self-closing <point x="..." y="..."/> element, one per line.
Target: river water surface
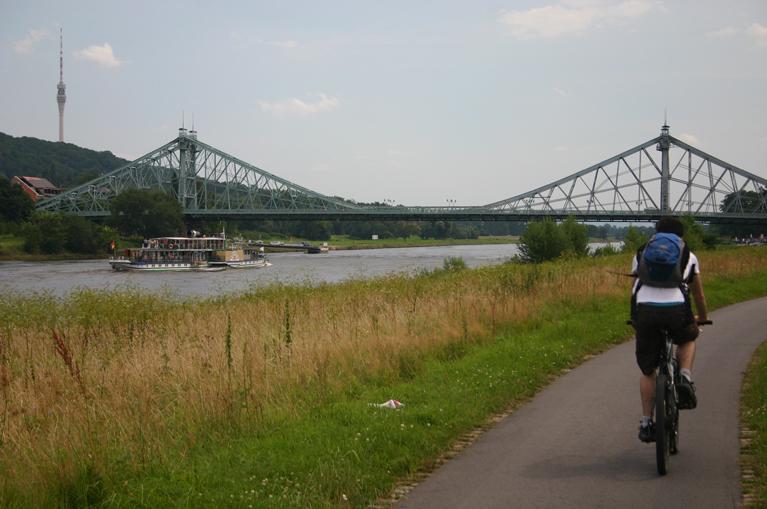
<point x="61" y="278"/>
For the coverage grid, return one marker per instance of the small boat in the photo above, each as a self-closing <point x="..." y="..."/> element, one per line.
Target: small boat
<point x="198" y="254"/>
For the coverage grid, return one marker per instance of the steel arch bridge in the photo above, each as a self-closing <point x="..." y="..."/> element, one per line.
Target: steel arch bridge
<point x="663" y="176"/>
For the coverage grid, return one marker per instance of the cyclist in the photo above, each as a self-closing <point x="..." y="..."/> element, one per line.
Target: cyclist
<point x="658" y="308"/>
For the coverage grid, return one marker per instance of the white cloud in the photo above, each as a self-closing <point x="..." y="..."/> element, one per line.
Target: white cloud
<point x="727" y="31"/>
<point x="102" y="55"/>
<point x="690" y="139"/>
<point x="298" y="107"/>
<point x="758" y="33"/>
<point x="27" y="44"/>
<point x="571" y="17"/>
<point x="559" y="91"/>
<point x="560" y="148"/>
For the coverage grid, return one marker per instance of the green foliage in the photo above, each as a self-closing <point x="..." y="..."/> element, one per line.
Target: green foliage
<point x="49" y="233"/>
<point x="747" y="201"/>
<point x="545" y="240"/>
<point x="577" y="236"/>
<point x="605" y="251"/>
<point x="45" y="234"/>
<point x="15" y="205"/>
<point x="448" y="229"/>
<point x="64" y="164"/>
<point x="314" y="230"/>
<point x="148" y="213"/>
<point x="289" y="463"/>
<point x="693" y="233"/>
<point x="633" y="240"/>
<point x="453" y="264"/>
<point x="754" y="418"/>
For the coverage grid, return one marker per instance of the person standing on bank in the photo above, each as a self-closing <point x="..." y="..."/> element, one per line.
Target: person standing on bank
<point x="666" y="273"/>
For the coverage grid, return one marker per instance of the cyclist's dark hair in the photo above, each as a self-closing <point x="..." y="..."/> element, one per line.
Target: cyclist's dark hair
<point x="670" y="224"/>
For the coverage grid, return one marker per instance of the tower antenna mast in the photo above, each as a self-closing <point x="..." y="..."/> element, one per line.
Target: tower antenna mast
<point x="61" y="96"/>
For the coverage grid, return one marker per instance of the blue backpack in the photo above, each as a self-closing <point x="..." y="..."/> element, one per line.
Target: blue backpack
<point x="662" y="261"/>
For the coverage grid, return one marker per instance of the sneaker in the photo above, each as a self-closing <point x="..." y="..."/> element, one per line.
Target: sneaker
<point x="647" y="433"/>
<point x="686" y="392"/>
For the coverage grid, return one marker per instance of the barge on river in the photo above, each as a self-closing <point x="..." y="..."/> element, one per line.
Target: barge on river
<point x="201" y="254"/>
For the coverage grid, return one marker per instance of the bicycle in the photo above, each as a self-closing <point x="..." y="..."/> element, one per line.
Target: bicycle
<point x="666" y="403"/>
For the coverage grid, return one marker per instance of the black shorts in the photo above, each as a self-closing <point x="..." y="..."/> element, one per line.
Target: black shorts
<point x="649" y="324"/>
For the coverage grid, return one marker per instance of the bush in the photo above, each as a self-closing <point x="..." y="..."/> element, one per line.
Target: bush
<point x="605" y="251"/>
<point x="53" y="233"/>
<point x="633" y="240"/>
<point x="545" y="240"/>
<point x="453" y="264"/>
<point x="15" y="205"/>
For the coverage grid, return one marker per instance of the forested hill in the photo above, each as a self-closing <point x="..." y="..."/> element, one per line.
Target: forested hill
<point x="64" y="164"/>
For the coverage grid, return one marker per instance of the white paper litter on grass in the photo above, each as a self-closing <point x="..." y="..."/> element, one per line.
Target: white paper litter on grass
<point x="392" y="403"/>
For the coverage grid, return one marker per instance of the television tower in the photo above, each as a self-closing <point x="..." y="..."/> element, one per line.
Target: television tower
<point x="61" y="96"/>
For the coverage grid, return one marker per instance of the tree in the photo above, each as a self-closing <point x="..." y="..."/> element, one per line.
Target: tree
<point x="745" y="201"/>
<point x="45" y="234"/>
<point x="148" y="213"/>
<point x="577" y="236"/>
<point x="633" y="240"/>
<point x="749" y="202"/>
<point x="543" y="240"/>
<point x="83" y="236"/>
<point x="15" y="205"/>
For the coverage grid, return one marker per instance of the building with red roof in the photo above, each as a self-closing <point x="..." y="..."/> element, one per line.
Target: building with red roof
<point x="37" y="188"/>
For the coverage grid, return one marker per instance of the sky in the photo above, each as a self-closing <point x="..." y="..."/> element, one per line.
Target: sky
<point x="418" y="102"/>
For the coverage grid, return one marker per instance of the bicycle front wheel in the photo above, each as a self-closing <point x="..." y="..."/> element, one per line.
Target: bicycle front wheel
<point x="662" y="424"/>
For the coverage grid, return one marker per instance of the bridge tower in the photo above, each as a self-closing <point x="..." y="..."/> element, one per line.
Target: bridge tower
<point x="664" y="144"/>
<point x="187" y="155"/>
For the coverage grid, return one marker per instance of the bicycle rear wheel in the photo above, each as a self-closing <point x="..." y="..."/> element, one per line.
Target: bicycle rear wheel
<point x="662" y="425"/>
<point x="673" y="413"/>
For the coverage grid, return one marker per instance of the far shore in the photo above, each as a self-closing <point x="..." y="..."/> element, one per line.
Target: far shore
<point x="335" y="244"/>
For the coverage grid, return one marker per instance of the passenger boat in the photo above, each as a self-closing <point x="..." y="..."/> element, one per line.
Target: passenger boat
<point x="199" y="254"/>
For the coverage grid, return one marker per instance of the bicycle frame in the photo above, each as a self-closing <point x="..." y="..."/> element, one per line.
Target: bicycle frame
<point x="666" y="406"/>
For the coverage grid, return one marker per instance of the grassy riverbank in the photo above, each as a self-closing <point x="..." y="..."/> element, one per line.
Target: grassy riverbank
<point x="263" y="400"/>
<point x="754" y="422"/>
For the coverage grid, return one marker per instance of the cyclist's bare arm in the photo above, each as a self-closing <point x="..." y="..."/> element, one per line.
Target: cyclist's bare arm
<point x="696" y="288"/>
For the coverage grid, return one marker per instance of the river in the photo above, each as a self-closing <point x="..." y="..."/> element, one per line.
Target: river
<point x="61" y="278"/>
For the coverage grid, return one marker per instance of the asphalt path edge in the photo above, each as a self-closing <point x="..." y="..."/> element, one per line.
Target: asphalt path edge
<point x="407" y="485"/>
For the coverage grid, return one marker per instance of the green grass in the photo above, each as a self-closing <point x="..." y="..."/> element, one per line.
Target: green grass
<point x="342" y="452"/>
<point x="754" y="419"/>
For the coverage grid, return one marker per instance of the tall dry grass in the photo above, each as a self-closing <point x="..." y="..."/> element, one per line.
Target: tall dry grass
<point x="100" y="381"/>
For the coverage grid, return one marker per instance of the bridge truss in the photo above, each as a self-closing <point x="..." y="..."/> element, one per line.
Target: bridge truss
<point x="662" y="176"/>
<point x="203" y="179"/>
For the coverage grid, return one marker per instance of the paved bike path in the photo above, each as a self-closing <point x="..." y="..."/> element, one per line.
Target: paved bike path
<point x="575" y="445"/>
